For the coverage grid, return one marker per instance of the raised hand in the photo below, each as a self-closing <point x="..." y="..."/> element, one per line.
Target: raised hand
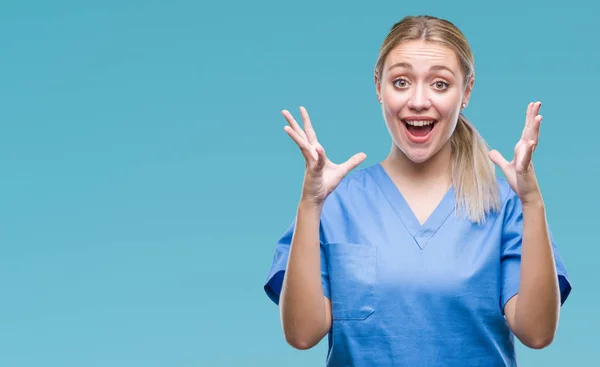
<point x="519" y="172"/>
<point x="322" y="176"/>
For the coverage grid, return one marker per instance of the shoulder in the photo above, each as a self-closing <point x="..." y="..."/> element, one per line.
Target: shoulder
<point x="356" y="179"/>
<point x="356" y="183"/>
<point x="355" y="187"/>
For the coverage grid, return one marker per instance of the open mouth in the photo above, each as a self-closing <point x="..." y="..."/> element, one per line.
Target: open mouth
<point x="419" y="130"/>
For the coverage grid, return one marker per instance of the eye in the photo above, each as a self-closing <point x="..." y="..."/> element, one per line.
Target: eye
<point x="401" y="83"/>
<point x="441" y="85"/>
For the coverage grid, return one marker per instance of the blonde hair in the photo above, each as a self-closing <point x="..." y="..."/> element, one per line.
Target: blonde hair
<point x="473" y="173"/>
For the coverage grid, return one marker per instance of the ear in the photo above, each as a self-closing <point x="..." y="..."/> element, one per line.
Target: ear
<point x="468" y="90"/>
<point x="377" y="86"/>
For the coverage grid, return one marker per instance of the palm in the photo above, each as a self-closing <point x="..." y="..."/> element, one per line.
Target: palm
<point x="519" y="171"/>
<point x="322" y="175"/>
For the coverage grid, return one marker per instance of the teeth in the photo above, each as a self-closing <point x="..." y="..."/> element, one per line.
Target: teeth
<point x="420" y="123"/>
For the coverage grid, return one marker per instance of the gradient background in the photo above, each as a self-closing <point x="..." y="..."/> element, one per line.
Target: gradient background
<point x="145" y="173"/>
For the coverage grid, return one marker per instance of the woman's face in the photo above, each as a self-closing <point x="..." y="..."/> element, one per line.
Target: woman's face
<point x="422" y="89"/>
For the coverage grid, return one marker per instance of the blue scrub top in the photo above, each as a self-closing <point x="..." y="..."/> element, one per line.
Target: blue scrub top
<point x="406" y="294"/>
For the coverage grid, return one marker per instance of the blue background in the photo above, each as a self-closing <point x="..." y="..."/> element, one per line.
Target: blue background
<point x="145" y="174"/>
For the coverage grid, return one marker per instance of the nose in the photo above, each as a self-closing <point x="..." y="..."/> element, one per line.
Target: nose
<point x="419" y="99"/>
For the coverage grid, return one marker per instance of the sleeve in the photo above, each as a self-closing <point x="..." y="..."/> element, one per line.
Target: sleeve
<point x="274" y="281"/>
<point x="511" y="254"/>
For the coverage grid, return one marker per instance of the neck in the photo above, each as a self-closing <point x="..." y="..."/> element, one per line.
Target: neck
<point x="435" y="171"/>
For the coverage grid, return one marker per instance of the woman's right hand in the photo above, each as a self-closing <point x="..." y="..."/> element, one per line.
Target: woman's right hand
<point x="322" y="176"/>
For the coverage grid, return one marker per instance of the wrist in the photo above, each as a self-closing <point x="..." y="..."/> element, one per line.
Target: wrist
<point x="533" y="200"/>
<point x="309" y="205"/>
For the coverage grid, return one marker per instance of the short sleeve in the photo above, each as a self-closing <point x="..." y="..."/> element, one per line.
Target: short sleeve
<point x="274" y="281"/>
<point x="512" y="237"/>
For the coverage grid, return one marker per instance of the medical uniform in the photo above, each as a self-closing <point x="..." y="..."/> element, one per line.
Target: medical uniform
<point x="406" y="294"/>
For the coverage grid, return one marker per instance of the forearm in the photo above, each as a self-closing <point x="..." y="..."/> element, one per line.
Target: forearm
<point x="302" y="299"/>
<point x="538" y="303"/>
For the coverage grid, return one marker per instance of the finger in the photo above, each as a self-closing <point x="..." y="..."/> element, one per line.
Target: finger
<point x="499" y="160"/>
<point x="308" y="128"/>
<point x="321" y="158"/>
<point x="318" y="145"/>
<point x="535" y="129"/>
<point x="307" y="150"/>
<point x="353" y="162"/>
<point x="524" y="161"/>
<point x="527" y="117"/>
<point x="292" y="122"/>
<point x="536" y="108"/>
<point x="532" y="124"/>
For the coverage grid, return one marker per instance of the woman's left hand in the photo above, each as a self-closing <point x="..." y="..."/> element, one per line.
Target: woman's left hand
<point x="519" y="172"/>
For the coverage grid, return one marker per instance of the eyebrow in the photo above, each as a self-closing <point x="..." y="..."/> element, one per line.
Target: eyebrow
<point x="409" y="66"/>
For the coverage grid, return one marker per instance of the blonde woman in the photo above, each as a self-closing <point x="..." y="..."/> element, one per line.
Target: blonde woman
<point x="427" y="258"/>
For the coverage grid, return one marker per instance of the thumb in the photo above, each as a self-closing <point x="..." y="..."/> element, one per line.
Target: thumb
<point x="498" y="159"/>
<point x="351" y="163"/>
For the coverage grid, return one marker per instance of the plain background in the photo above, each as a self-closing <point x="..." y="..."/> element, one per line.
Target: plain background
<point x="145" y="175"/>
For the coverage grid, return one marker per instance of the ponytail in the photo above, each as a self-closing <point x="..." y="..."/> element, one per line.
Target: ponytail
<point x="473" y="173"/>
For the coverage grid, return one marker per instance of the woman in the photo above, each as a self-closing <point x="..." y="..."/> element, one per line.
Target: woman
<point x="426" y="259"/>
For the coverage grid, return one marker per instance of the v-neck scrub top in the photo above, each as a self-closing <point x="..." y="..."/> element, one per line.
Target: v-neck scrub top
<point x="406" y="294"/>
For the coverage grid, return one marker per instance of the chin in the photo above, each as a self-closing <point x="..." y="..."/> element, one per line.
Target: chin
<point x="417" y="157"/>
<point x="419" y="149"/>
